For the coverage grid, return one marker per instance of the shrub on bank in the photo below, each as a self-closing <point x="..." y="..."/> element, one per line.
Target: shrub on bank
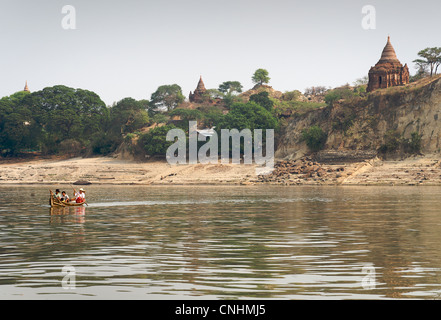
<point x="315" y="138"/>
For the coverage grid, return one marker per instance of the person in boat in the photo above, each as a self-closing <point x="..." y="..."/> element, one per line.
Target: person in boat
<point x="80" y="196"/>
<point x="58" y="194"/>
<point x="64" y="197"/>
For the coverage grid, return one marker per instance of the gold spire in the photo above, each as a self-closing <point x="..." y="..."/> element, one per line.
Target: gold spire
<point x="26" y="88"/>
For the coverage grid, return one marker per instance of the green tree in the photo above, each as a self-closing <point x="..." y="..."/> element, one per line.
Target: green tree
<point x="263" y="99"/>
<point x="213" y="94"/>
<point x="261" y="77"/>
<point x="431" y="58"/>
<point x="248" y="116"/>
<point x="332" y="97"/>
<point x="64" y="113"/>
<point x="337" y="94"/>
<point x="18" y="130"/>
<point x="104" y="142"/>
<point x="291" y="95"/>
<point x="154" y="142"/>
<point x="230" y="99"/>
<point x="211" y="116"/>
<point x="186" y="115"/>
<point x="146" y="105"/>
<point x="230" y="87"/>
<point x="210" y="95"/>
<point x="315" y="138"/>
<point x="167" y="97"/>
<point x="160" y="118"/>
<point x="228" y="92"/>
<point x="68" y="113"/>
<point x="128" y="115"/>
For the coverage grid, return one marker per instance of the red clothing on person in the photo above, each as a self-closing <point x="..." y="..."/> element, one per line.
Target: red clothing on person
<point x="80" y="197"/>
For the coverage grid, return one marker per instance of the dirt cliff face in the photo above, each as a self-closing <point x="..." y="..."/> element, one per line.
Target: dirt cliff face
<point x="360" y="125"/>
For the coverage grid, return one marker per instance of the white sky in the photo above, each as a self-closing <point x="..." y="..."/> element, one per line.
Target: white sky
<point x="129" y="48"/>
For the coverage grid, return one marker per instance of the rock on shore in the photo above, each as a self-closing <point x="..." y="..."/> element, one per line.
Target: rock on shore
<point x="303" y="171"/>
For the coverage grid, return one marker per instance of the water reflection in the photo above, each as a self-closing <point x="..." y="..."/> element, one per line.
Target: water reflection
<point x="214" y="242"/>
<point x="68" y="228"/>
<point x="67" y="214"/>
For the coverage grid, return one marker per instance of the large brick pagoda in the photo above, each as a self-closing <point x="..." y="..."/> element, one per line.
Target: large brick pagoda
<point x="388" y="72"/>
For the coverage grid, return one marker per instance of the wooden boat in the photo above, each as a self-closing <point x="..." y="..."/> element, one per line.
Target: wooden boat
<point x="54" y="202"/>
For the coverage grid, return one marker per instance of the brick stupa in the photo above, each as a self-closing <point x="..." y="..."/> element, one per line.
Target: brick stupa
<point x="388" y="72"/>
<point x="197" y="95"/>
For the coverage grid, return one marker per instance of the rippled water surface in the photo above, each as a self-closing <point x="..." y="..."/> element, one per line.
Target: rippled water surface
<point x="223" y="243"/>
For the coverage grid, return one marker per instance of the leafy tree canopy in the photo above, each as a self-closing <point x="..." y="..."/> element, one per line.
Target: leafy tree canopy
<point x="18" y="129"/>
<point x="430" y="58"/>
<point x="263" y="99"/>
<point x="340" y="93"/>
<point x="167" y="97"/>
<point x="291" y="95"/>
<point x="230" y="87"/>
<point x="154" y="142"/>
<point x="43" y="119"/>
<point x="315" y="138"/>
<point x="128" y="115"/>
<point x="65" y="112"/>
<point x="186" y="115"/>
<point x="248" y="116"/>
<point x="261" y="77"/>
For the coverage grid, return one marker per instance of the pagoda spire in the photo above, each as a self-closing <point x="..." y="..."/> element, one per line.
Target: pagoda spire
<point x="201" y="85"/>
<point x="26" y="88"/>
<point x="388" y="52"/>
<point x="197" y="95"/>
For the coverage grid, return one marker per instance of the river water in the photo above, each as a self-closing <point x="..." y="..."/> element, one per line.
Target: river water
<point x="222" y="243"/>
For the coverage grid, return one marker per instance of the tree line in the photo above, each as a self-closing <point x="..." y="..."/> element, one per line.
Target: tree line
<point x="63" y="120"/>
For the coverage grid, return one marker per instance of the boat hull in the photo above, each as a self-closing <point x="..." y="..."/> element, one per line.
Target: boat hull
<point x="58" y="203"/>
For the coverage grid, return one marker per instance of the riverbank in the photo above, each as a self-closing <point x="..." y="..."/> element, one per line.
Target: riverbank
<point x="422" y="170"/>
<point x="107" y="170"/>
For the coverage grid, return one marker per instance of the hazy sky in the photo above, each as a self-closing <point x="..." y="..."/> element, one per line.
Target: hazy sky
<point x="129" y="48"/>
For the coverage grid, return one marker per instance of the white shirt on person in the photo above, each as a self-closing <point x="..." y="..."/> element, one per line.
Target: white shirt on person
<point x="80" y="195"/>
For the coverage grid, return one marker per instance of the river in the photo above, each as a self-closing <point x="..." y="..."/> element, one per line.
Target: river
<point x="222" y="242"/>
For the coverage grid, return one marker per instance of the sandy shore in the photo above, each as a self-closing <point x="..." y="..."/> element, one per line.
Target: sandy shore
<point x="107" y="170"/>
<point x="421" y="170"/>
